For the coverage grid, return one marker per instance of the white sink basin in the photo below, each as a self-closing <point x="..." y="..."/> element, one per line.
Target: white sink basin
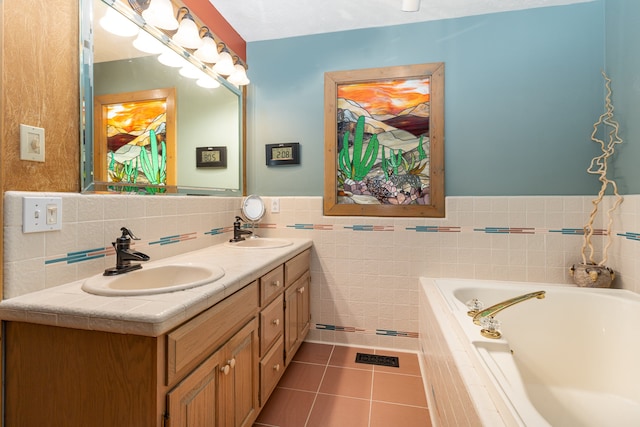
<point x="153" y="280"/>
<point x="260" y="243"/>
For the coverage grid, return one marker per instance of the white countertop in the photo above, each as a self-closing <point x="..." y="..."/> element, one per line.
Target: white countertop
<point x="149" y="315"/>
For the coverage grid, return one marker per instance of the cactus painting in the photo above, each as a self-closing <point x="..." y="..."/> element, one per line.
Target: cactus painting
<point x="384" y="138"/>
<point x="139" y="139"/>
<point x="383" y="127"/>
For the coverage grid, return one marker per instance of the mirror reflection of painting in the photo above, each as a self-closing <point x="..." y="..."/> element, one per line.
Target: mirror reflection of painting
<point x="383" y="142"/>
<point x="136" y="142"/>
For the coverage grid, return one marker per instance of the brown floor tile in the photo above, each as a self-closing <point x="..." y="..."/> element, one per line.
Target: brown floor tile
<point x="313" y="353"/>
<point x="287" y="408"/>
<point x="326" y="388"/>
<point x="347" y="382"/>
<point x="346" y="357"/>
<point x="408" y="362"/>
<point x="338" y="411"/>
<point x="302" y="376"/>
<point x="396" y="388"/>
<point x="388" y="414"/>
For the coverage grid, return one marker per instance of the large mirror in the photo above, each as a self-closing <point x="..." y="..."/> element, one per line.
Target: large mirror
<point x="150" y="128"/>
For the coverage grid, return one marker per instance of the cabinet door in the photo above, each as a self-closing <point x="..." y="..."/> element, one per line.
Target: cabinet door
<point x="241" y="380"/>
<point x="223" y="390"/>
<point x="193" y="402"/>
<point x="296" y="315"/>
<point x="304" y="307"/>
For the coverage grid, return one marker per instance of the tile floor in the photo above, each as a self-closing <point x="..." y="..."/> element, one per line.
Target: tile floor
<point x="324" y="387"/>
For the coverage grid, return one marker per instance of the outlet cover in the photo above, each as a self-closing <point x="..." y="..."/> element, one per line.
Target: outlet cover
<point x="41" y="214"/>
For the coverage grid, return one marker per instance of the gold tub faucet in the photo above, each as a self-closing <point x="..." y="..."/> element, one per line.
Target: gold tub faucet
<point x="488" y="313"/>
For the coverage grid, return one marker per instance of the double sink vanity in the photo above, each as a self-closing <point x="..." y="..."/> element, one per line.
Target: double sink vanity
<point x="199" y="339"/>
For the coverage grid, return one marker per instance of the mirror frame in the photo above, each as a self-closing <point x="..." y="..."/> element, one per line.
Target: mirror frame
<point x="88" y="116"/>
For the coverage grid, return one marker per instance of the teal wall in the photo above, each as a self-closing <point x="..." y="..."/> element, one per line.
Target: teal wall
<point x="522" y="90"/>
<point x="623" y="67"/>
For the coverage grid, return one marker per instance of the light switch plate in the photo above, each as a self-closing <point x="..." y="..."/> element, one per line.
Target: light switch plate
<point x="41" y="214"/>
<point x="31" y="143"/>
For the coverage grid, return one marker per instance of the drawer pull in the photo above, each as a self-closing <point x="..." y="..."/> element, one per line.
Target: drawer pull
<point x="276" y="283"/>
<point x="276" y="367"/>
<point x="226" y="369"/>
<point x="232" y="363"/>
<point x="276" y="322"/>
<point x="301" y="290"/>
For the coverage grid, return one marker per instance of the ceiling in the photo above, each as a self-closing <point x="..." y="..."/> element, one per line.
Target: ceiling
<point x="257" y="20"/>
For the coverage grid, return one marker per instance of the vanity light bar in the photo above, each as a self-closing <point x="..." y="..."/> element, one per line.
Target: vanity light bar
<point x="158" y="14"/>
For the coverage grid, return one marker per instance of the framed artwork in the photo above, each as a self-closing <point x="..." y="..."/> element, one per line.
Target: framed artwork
<point x="384" y="136"/>
<point x="135" y="140"/>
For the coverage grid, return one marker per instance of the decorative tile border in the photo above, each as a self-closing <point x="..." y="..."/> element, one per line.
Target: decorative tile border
<point x="383" y="332"/>
<point x="80" y="256"/>
<point x="506" y="230"/>
<point x="324" y="227"/>
<point x="167" y="240"/>
<point x="220" y="230"/>
<point x="358" y="227"/>
<point x="89" y="254"/>
<point x="434" y="229"/>
<point x="630" y="236"/>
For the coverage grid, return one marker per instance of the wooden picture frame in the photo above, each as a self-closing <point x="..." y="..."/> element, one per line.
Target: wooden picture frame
<point x="384" y="141"/>
<point x="148" y="110"/>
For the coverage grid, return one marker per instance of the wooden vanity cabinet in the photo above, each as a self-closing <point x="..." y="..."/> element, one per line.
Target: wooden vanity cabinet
<point x="216" y="369"/>
<point x="284" y="318"/>
<point x="222" y="391"/>
<point x="203" y="373"/>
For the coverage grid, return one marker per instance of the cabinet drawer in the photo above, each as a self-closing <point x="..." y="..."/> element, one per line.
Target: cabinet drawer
<point x="296" y="266"/>
<point x="270" y="284"/>
<point x="271" y="369"/>
<point x="271" y="324"/>
<point x="192" y="342"/>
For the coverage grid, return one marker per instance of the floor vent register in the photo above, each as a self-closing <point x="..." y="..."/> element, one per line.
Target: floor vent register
<point x="377" y="359"/>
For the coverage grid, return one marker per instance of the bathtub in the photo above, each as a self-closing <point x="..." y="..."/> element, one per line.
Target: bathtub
<point x="570" y="359"/>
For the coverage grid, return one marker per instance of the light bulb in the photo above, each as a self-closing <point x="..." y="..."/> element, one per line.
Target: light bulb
<point x="145" y="42"/>
<point x="170" y="58"/>
<point x="208" y="82"/>
<point x="224" y="66"/>
<point x="117" y="24"/>
<point x="160" y="14"/>
<point x="208" y="51"/>
<point x="239" y="76"/>
<point x="187" y="35"/>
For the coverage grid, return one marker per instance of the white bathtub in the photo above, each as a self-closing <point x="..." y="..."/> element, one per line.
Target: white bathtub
<point x="570" y="359"/>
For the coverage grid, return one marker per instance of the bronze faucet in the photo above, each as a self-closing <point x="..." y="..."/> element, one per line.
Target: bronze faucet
<point x="124" y="254"/>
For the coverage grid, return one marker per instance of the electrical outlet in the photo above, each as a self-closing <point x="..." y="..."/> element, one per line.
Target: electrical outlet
<point x="275" y="205"/>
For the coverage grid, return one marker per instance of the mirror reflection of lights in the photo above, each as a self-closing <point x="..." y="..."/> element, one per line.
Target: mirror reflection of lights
<point x="208" y="82"/>
<point x="117" y="24"/>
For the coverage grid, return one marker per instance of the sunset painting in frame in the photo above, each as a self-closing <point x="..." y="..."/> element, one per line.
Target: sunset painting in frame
<point x="383" y="141"/>
<point x="135" y="140"/>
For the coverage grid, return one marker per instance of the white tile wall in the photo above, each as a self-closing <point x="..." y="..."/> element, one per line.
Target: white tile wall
<point x="362" y="280"/>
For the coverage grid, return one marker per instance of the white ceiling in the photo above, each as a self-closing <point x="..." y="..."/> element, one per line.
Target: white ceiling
<point x="257" y="20"/>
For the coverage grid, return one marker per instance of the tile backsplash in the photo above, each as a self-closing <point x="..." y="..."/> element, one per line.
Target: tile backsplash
<point x="364" y="269"/>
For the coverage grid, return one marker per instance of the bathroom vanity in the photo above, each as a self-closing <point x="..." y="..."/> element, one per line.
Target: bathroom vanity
<point x="208" y="356"/>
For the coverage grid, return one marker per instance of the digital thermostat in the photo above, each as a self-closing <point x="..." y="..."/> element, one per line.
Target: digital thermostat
<point x="287" y="153"/>
<point x="211" y="157"/>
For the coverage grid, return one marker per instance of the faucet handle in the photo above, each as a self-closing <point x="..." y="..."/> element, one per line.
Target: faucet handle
<point x="126" y="232"/>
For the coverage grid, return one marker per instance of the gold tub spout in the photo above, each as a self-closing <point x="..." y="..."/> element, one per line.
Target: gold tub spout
<point x="496" y="308"/>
